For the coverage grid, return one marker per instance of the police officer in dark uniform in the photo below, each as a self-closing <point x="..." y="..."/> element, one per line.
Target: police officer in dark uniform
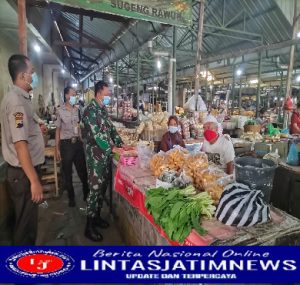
<point x="69" y="146"/>
<point x="22" y="149"/>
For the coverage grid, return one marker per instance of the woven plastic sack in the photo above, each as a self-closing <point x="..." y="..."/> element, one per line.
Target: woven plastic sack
<point x="242" y="207"/>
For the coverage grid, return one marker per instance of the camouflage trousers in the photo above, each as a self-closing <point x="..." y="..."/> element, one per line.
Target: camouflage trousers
<point x="98" y="168"/>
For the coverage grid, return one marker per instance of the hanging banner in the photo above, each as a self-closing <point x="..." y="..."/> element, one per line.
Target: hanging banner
<point x="174" y="12"/>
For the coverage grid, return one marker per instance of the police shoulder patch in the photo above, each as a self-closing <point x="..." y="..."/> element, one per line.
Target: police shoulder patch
<point x="19" y="120"/>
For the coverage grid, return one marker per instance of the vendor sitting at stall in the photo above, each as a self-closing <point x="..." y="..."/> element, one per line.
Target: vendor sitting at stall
<point x="295" y="121"/>
<point x="172" y="137"/>
<point x="261" y="119"/>
<point x="218" y="147"/>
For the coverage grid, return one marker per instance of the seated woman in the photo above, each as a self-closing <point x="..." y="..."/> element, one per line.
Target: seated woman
<point x="172" y="137"/>
<point x="218" y="147"/>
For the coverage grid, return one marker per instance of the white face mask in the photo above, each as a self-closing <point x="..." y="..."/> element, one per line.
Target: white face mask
<point x="173" y="129"/>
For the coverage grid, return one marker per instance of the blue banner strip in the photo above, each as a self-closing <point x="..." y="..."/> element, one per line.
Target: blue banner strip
<point x="151" y="264"/>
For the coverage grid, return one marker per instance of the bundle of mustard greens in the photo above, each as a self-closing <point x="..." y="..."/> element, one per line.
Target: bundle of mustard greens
<point x="178" y="211"/>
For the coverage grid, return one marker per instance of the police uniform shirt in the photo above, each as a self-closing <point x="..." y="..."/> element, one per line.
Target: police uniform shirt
<point x="67" y="121"/>
<point x="18" y="124"/>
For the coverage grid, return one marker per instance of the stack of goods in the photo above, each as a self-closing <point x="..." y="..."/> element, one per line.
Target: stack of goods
<point x="129" y="136"/>
<point x="204" y="177"/>
<point x="252" y="137"/>
<point x="127" y="112"/>
<point x="127" y="155"/>
<point x="185" y="128"/>
<point x="154" y="127"/>
<point x="178" y="211"/>
<point x="179" y="111"/>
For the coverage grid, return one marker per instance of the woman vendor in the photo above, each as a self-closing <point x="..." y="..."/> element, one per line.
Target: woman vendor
<point x="295" y="121"/>
<point x="218" y="147"/>
<point x="172" y="137"/>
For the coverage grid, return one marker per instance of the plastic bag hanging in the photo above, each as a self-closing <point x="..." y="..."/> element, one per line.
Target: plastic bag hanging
<point x="293" y="158"/>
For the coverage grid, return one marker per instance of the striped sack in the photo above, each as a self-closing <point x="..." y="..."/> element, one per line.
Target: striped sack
<point x="242" y="207"/>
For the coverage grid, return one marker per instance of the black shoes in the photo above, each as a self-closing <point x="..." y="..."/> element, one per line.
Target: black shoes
<point x="72" y="203"/>
<point x="91" y="231"/>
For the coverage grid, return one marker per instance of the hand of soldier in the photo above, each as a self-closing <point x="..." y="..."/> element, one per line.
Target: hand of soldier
<point x="58" y="156"/>
<point x="36" y="192"/>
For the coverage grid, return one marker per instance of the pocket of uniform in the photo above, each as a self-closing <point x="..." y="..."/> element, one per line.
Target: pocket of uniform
<point x="15" y="175"/>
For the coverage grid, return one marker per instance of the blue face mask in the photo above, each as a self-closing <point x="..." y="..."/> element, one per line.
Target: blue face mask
<point x="106" y="100"/>
<point x="173" y="129"/>
<point x="35" y="80"/>
<point x="72" y="100"/>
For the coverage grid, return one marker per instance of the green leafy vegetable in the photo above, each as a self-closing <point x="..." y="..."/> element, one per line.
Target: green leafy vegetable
<point x="178" y="211"/>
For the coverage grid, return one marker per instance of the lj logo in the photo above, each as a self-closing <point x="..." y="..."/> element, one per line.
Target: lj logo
<point x="40" y="263"/>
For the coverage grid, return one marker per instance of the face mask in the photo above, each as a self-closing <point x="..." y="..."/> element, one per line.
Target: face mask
<point x="173" y="129"/>
<point x="106" y="100"/>
<point x="35" y="80"/>
<point x="72" y="100"/>
<point x="210" y="135"/>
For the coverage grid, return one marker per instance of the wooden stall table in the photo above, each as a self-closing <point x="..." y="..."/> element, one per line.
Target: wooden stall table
<point x="138" y="228"/>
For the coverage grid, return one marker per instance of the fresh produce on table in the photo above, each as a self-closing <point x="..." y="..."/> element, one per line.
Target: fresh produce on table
<point x="252" y="137"/>
<point x="178" y="211"/>
<point x="194" y="162"/>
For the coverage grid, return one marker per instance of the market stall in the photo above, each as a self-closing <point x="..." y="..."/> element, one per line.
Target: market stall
<point x="133" y="186"/>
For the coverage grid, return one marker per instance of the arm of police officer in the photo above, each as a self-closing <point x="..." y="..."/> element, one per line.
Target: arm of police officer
<point x="19" y="131"/>
<point x="57" y="137"/>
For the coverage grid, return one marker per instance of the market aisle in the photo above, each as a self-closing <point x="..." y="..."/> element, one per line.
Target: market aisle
<point x="61" y="225"/>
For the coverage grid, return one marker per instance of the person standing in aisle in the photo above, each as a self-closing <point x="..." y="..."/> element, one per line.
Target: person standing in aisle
<point x="69" y="146"/>
<point x="100" y="137"/>
<point x="22" y="149"/>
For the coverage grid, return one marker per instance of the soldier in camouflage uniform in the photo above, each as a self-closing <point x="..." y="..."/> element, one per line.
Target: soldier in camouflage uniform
<point x="100" y="136"/>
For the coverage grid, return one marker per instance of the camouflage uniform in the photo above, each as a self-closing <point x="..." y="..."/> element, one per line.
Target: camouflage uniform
<point x="99" y="133"/>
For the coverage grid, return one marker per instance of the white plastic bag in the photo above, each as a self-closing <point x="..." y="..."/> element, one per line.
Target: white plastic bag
<point x="191" y="104"/>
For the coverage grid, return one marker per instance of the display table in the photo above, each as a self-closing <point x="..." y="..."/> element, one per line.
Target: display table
<point x="138" y="228"/>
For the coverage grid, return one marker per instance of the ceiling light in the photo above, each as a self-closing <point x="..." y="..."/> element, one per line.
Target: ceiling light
<point x="275" y="98"/>
<point x="37" y="48"/>
<point x="239" y="72"/>
<point x="111" y="80"/>
<point x="63" y="71"/>
<point x="298" y="35"/>
<point x="74" y="85"/>
<point x="298" y="78"/>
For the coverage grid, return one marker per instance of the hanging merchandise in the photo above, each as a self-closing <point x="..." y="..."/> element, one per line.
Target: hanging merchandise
<point x="293" y="158"/>
<point x="191" y="103"/>
<point x="288" y="104"/>
<point x="242" y="207"/>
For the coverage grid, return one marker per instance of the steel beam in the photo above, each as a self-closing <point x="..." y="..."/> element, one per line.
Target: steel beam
<point x="174" y="68"/>
<point x="77" y="44"/>
<point x="258" y="85"/>
<point x="199" y="50"/>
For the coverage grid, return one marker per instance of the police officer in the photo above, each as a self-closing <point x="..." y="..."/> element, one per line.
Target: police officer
<point x="100" y="136"/>
<point x="22" y="149"/>
<point x="69" y="146"/>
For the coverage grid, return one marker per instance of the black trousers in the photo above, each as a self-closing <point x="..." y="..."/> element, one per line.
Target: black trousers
<point x="73" y="153"/>
<point x="25" y="211"/>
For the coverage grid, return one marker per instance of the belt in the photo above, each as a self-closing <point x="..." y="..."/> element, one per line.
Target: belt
<point x="72" y="140"/>
<point x="37" y="167"/>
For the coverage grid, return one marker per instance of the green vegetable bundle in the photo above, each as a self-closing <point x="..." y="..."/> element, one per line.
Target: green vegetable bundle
<point x="178" y="211"/>
<point x="250" y="122"/>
